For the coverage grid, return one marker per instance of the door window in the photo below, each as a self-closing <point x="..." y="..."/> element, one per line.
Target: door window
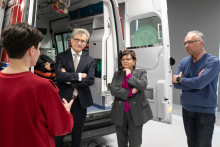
<point x="59" y="43"/>
<point x="66" y="40"/>
<point x="146" y="32"/>
<point x="62" y="41"/>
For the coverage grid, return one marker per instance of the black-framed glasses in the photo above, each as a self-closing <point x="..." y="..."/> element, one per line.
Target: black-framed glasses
<point x="127" y="59"/>
<point x="78" y="40"/>
<point x="189" y="42"/>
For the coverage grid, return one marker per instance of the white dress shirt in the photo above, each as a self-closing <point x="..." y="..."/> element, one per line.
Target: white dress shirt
<point x="79" y="56"/>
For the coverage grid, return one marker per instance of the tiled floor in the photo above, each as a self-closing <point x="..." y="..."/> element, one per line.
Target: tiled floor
<point x="157" y="134"/>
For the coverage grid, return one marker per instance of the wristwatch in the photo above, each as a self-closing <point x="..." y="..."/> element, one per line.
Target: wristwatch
<point x="178" y="79"/>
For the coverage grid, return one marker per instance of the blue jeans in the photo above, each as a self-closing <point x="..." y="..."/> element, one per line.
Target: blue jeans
<point x="199" y="128"/>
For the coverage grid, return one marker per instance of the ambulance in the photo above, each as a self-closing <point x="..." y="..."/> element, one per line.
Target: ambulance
<point x="145" y="30"/>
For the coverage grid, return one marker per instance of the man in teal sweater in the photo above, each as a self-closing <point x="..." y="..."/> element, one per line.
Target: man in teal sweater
<point x="197" y="77"/>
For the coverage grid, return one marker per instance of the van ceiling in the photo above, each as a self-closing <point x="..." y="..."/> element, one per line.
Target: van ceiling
<point x="45" y="8"/>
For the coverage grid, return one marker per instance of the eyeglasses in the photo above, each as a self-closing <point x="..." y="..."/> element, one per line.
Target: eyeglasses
<point x="189" y="42"/>
<point x="78" y="40"/>
<point x="127" y="59"/>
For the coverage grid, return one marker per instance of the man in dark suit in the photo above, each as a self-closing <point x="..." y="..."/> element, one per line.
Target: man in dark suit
<point x="75" y="73"/>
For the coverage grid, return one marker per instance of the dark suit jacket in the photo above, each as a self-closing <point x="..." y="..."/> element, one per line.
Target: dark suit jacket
<point x="86" y="65"/>
<point x="139" y="105"/>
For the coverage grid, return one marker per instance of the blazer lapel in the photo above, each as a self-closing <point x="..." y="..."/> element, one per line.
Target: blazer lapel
<point x="121" y="77"/>
<point x="134" y="73"/>
<point x="82" y="61"/>
<point x="70" y="59"/>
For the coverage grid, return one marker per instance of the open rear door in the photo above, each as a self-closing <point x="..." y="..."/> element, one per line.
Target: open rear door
<point x="147" y="33"/>
<point x="3" y="4"/>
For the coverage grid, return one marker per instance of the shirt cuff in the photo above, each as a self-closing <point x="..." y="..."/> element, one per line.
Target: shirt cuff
<point x="130" y="93"/>
<point x="80" y="76"/>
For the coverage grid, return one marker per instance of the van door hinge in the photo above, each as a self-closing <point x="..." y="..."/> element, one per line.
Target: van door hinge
<point x="104" y="77"/>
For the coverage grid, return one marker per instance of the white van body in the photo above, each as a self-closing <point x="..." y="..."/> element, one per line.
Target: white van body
<point x="146" y="32"/>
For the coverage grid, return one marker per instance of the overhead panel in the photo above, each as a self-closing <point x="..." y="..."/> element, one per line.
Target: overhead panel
<point x="87" y="11"/>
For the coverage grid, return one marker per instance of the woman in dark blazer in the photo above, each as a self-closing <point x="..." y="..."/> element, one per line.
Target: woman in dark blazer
<point x="131" y="108"/>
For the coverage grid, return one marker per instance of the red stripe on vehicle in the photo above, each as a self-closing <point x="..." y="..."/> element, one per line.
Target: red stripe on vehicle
<point x="14" y="14"/>
<point x="1" y="3"/>
<point x="122" y="28"/>
<point x="119" y="12"/>
<point x="19" y="15"/>
<point x="121" y="23"/>
<point x="16" y="2"/>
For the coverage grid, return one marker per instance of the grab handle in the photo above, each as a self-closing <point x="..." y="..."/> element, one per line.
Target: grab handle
<point x="158" y="30"/>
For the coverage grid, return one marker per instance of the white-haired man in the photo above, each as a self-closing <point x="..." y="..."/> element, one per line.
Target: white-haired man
<point x="74" y="74"/>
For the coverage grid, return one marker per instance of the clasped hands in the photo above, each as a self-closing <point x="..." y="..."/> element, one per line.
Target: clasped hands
<point x="180" y="75"/>
<point x="84" y="75"/>
<point x="128" y="71"/>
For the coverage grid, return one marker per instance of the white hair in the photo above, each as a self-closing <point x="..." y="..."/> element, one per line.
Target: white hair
<point x="198" y="34"/>
<point x="81" y="31"/>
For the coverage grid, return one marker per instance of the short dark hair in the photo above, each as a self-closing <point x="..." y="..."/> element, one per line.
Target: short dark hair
<point x="129" y="52"/>
<point x="17" y="38"/>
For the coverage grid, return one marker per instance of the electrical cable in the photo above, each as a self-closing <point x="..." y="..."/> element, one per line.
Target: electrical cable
<point x="94" y="141"/>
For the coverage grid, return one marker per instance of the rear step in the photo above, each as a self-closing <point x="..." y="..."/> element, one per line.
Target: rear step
<point x="93" y="133"/>
<point x="96" y="124"/>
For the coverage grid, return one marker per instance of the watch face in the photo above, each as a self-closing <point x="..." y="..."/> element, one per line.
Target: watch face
<point x="178" y="79"/>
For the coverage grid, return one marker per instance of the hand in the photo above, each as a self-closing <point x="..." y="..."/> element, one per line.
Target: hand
<point x="47" y="66"/>
<point x="134" y="90"/>
<point x="128" y="71"/>
<point x="84" y="75"/>
<point x="68" y="83"/>
<point x="63" y="70"/>
<point x="67" y="105"/>
<point x="201" y="72"/>
<point x="175" y="76"/>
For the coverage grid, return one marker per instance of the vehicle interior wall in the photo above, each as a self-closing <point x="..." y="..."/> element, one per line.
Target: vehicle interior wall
<point x="196" y="16"/>
<point x="44" y="23"/>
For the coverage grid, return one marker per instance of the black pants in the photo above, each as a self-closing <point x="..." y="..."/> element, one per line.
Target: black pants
<point x="129" y="133"/>
<point x="199" y="128"/>
<point x="79" y="116"/>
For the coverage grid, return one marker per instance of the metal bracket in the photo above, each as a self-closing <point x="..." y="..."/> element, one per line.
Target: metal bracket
<point x="104" y="77"/>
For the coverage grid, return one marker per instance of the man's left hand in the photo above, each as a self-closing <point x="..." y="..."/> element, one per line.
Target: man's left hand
<point x="175" y="76"/>
<point x="63" y="70"/>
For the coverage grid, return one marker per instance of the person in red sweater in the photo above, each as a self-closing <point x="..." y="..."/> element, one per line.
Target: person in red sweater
<point x="32" y="112"/>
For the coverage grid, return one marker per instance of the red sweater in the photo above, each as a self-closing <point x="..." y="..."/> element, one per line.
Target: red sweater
<point x="31" y="111"/>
